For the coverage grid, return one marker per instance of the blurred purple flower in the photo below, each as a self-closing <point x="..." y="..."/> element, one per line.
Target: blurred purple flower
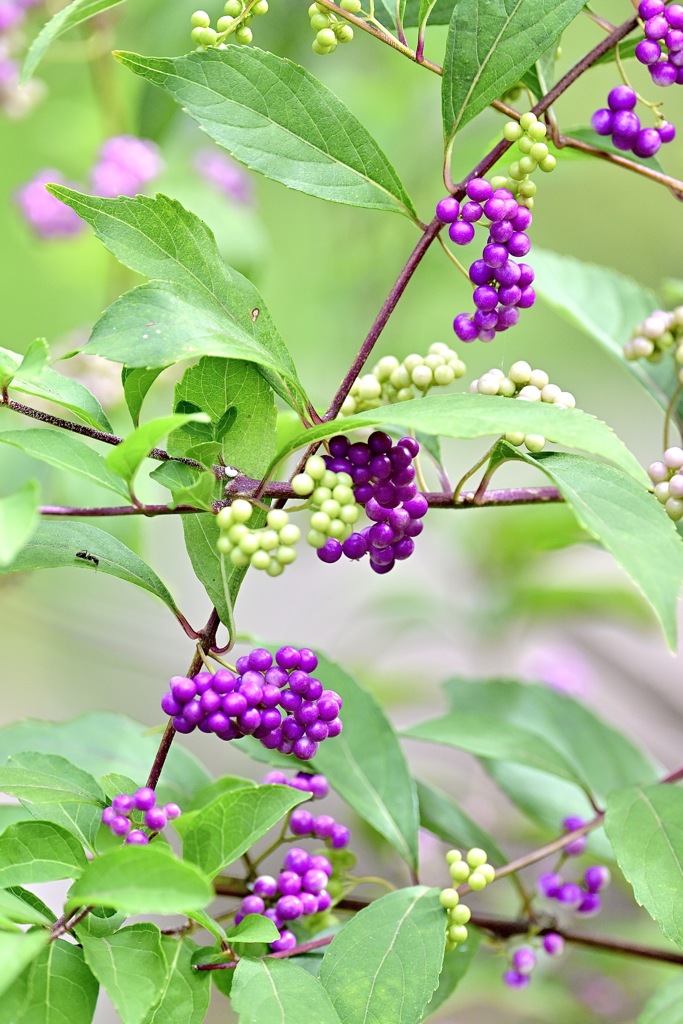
<point x="11" y="15"/>
<point x="561" y="668"/>
<point x="48" y="217"/>
<point x="225" y="174"/>
<point x="125" y="164"/>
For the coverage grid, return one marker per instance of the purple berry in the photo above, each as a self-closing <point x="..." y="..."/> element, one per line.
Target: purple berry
<point x="289" y="908"/>
<point x="674" y="16"/>
<point x="626" y="123"/>
<point x="650" y="8"/>
<point x="265" y="886"/>
<point x="144" y="798"/>
<point x="287" y="658"/>
<point x="656" y="27"/>
<point x="648" y="52"/>
<point x="155" y="819"/>
<point x="335" y="726"/>
<point x="495" y="209"/>
<point x="252" y="905"/>
<point x="308" y="660"/>
<point x="323" y="826"/>
<point x="596" y="877"/>
<point x="485" y="297"/>
<point x="461" y="232"/>
<point x="479" y="189"/>
<point x="471" y="212"/>
<point x="340" y="837"/>
<point x="108" y="815"/>
<point x="224" y="681"/>
<point x="495" y="255"/>
<point x="524" y="960"/>
<point x="234" y="704"/>
<point x="123" y="804"/>
<point x="170" y="706"/>
<point x="297" y="860"/>
<point x="479" y="273"/>
<point x="549" y="884"/>
<point x="465" y="328"/>
<point x="314" y="880"/>
<point x="508" y="274"/>
<point x="249" y="720"/>
<point x="509" y="295"/>
<point x="508" y="317"/>
<point x="553" y="944"/>
<point x="324" y="901"/>
<point x="664" y="73"/>
<point x="286" y="941"/>
<point x="518" y="244"/>
<point x="203" y="682"/>
<point x="590" y="905"/>
<point x="260" y="659"/>
<point x="301" y="822"/>
<point x="172" y="811"/>
<point x="513" y="979"/>
<point x="183" y="689"/>
<point x="119" y="825"/>
<point x="289" y="882"/>
<point x="309" y="902"/>
<point x="447" y="211"/>
<point x="137" y="838"/>
<point x="522" y="219"/>
<point x="305" y="748"/>
<point x="570" y="893"/>
<point x="528" y="298"/>
<point x="622" y="97"/>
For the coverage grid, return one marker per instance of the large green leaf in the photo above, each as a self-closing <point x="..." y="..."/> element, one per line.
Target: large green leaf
<point x="38" y="851"/>
<point x="625" y="520"/>
<point x="470" y="416"/>
<point x="221" y="831"/>
<point x="67" y="452"/>
<point x="384" y="964"/>
<point x="17" y="904"/>
<point x="665" y="1006"/>
<point x="366" y="765"/>
<point x="276" y="118"/>
<point x="17" y="950"/>
<point x="195" y="304"/>
<point x="456" y="964"/>
<point x="445" y="819"/>
<point x="18" y="521"/>
<point x="600" y="754"/>
<point x="128" y="456"/>
<point x="101" y="743"/>
<point x="74" y="14"/>
<point x="56" y="988"/>
<point x="56" y="388"/>
<point x="131" y="966"/>
<point x="607" y="306"/>
<point x="279" y="992"/>
<point x="491" y="43"/>
<point x="645" y="827"/>
<point x="253" y="928"/>
<point x="185" y="996"/>
<point x="57" y="544"/>
<point x="141" y="880"/>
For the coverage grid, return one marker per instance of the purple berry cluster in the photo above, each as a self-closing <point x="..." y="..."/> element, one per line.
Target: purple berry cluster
<point x="662" y="49"/>
<point x="384" y="482"/>
<point x="117" y="816"/>
<point x="301" y="821"/>
<point x="502" y="286"/>
<point x="620" y="121"/>
<point x="580" y="897"/>
<point x="524" y="959"/>
<point x="247" y="702"/>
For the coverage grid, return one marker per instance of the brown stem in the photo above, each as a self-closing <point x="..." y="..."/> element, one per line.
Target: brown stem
<point x="118" y="510"/>
<point x="673" y="184"/>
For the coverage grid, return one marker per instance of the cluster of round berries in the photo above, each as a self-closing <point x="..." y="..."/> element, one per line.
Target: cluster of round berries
<point x="301" y="821"/>
<point x="523" y="960"/>
<point x="117" y="816"/>
<point x="529" y="386"/>
<point x="393" y="381"/>
<point x="619" y="120"/>
<point x="474" y="870"/>
<point x="583" y="898"/>
<point x="529" y="134"/>
<point x="329" y="29"/>
<point x="332" y="502"/>
<point x="270" y="547"/>
<point x="657" y="334"/>
<point x="663" y="25"/>
<point x="236" y="19"/>
<point x="502" y="287"/>
<point x="667" y="477"/>
<point x="245" y="702"/>
<point x="383" y="480"/>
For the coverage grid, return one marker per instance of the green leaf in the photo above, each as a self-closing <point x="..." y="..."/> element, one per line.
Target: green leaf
<point x="628" y="522"/>
<point x="625" y="49"/>
<point x="141" y="880"/>
<point x="35" y="360"/>
<point x="604" y="758"/>
<point x="74" y="14"/>
<point x="606" y="306"/>
<point x="224" y="829"/>
<point x="279" y="992"/>
<point x="18" y="521"/>
<point x="445" y="819"/>
<point x="665" y="1006"/>
<point x="456" y="964"/>
<point x="56" y="988"/>
<point x="15" y="907"/>
<point x="366" y="765"/>
<point x="645" y="827"/>
<point x="185" y="997"/>
<point x="254" y="928"/>
<point x="226" y="784"/>
<point x="384" y="964"/>
<point x="539" y="77"/>
<point x="201" y="535"/>
<point x="205" y="921"/>
<point x="284" y="124"/>
<point x="126" y="458"/>
<point x="196" y="304"/>
<point x="189" y="486"/>
<point x="17" y="950"/>
<point x="57" y="544"/>
<point x="65" y="451"/>
<point x="470" y="416"/>
<point x="491" y="43"/>
<point x="604" y="142"/>
<point x="100" y="922"/>
<point x="102" y="743"/>
<point x="130" y="965"/>
<point x="38" y="851"/>
<point x="58" y="389"/>
<point x="136" y="383"/>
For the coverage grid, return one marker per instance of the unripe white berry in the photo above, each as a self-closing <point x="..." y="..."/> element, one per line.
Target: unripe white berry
<point x="322" y="51"/>
<point x="277" y="518"/>
<point x="487" y="385"/>
<point x="677" y="316"/>
<point x="498" y="181"/>
<point x="412" y="360"/>
<point x="249" y="542"/>
<point x="434" y="360"/>
<point x="385" y="367"/>
<point x="330" y="507"/>
<point x="405" y="395"/>
<point x="520" y="372"/>
<point x="548" y="163"/>
<point x="336" y="529"/>
<point x="275" y="568"/>
<point x="422" y="377"/>
<point x="316" y="539"/>
<point x="527" y="120"/>
<point x="259" y="8"/>
<point x="525" y="144"/>
<point x="539" y="378"/>
<point x="329" y="480"/>
<point x="239" y="559"/>
<point x="400" y="378"/>
<point x="529" y="393"/>
<point x="661" y="492"/>
<point x="205" y="36"/>
<point x="439" y="348"/>
<point x="654" y="325"/>
<point x="352" y="6"/>
<point x="515" y="438"/>
<point x="344" y="33"/>
<point x="673" y="457"/>
<point x="674" y="509"/>
<point x="269" y="539"/>
<point x="348" y="406"/>
<point x="550" y="393"/>
<point x="290" y="534"/>
<point x="658" y="472"/>
<point x="507" y="388"/>
<point x="285" y="554"/>
<point x="641" y="347"/>
<point x="676" y="486"/>
<point x="474" y="387"/>
<point x="224" y="518"/>
<point x="315" y="467"/>
<point x="512" y="131"/>
<point x="224" y="23"/>
<point x="321" y="494"/>
<point x="344" y="480"/>
<point x="444" y="375"/>
<point x="233" y="7"/>
<point x="303" y="484"/>
<point x="243" y="35"/>
<point x="458" y="367"/>
<point x="565" y="400"/>
<point x="534" y="442"/>
<point x="343" y="494"/>
<point x="369" y="388"/>
<point x="224" y="544"/>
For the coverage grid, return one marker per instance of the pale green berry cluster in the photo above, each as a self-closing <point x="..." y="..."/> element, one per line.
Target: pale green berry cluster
<point x="393" y="381"/>
<point x="529" y="134"/>
<point x="332" y="502"/>
<point x="236" y="20"/>
<point x="528" y="385"/>
<point x="329" y="29"/>
<point x="270" y="547"/>
<point x="667" y="477"/>
<point x="660" y="332"/>
<point x="477" y="873"/>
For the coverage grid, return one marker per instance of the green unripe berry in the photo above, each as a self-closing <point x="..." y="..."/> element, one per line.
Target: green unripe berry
<point x="315" y="467"/>
<point x="515" y="171"/>
<point x="476" y="857"/>
<point x="515" y="438"/>
<point x="321" y="494"/>
<point x="320" y="521"/>
<point x="452" y="856"/>
<point x="322" y="51"/>
<point x="329" y="480"/>
<point x="224" y="544"/>
<point x="344" y="33"/>
<point x="459" y="871"/>
<point x="527" y="189"/>
<point x="237" y="531"/>
<point x="243" y="35"/>
<point x="506" y="388"/>
<point x="260" y="8"/>
<point x="412" y="361"/>
<point x="400" y="378"/>
<point x="241" y="510"/>
<point x="233" y="7"/>
<point x="499" y="181"/>
<point x="422" y="377"/>
<point x="369" y="387"/>
<point x="459" y="915"/>
<point x="385" y="367"/>
<point x="349" y="514"/>
<point x="275" y="568"/>
<point x="200" y="19"/>
<point x="434" y="360"/>
<point x="528" y="165"/>
<point x="290" y="534"/>
<point x="526" y="120"/>
<point x="548" y="164"/>
<point x="260" y="560"/>
<point x="476" y="881"/>
<point x="457" y="933"/>
<point x="277" y="518"/>
<point x="269" y="539"/>
<point x="205" y="36"/>
<point x="343" y="494"/>
<point x="457" y="366"/>
<point x="488" y="871"/>
<point x="224" y="23"/>
<point x="661" y="492"/>
<point x="520" y="372"/>
<point x="249" y="543"/>
<point x="331" y="507"/>
<point x="537" y="131"/>
<point x="303" y="484"/>
<point x="352" y="6"/>
<point x="326" y="37"/>
<point x="450" y="946"/>
<point x="444" y="375"/>
<point x="313" y="9"/>
<point x="512" y="131"/>
<point x="525" y="144"/>
<point x="449" y="898"/>
<point x="240" y="559"/>
<point x="224" y="518"/>
<point x="316" y="539"/>
<point x="512" y="185"/>
<point x="405" y="394"/>
<point x="539" y="151"/>
<point x="534" y="442"/>
<point x="195" y="36"/>
<point x="320" y="21"/>
<point x="674" y="508"/>
<point x="337" y="529"/>
<point x="285" y="555"/>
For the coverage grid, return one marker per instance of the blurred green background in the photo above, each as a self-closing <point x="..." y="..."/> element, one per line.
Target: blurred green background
<point x="486" y="593"/>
